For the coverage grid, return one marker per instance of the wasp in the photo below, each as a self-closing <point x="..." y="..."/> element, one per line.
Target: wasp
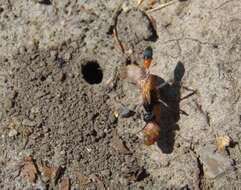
<point x="149" y="85"/>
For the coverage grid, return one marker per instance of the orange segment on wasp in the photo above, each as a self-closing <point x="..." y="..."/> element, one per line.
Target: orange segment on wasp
<point x="147" y="63"/>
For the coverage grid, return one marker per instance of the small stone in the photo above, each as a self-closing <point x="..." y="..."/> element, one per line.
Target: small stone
<point x="22" y="50"/>
<point x="45" y="129"/>
<point x="8" y="103"/>
<point x="125" y="112"/>
<point x="40" y="94"/>
<point x="113" y="119"/>
<point x="67" y="56"/>
<point x="101" y="134"/>
<point x="1" y="114"/>
<point x="70" y="75"/>
<point x="75" y="187"/>
<point x="12" y="133"/>
<point x="92" y="186"/>
<point x="140" y="25"/>
<point x="13" y="94"/>
<point x="106" y="173"/>
<point x="40" y="185"/>
<point x="53" y="55"/>
<point x="165" y="163"/>
<point x="118" y="145"/>
<point x="74" y="45"/>
<point x="126" y="7"/>
<point x="35" y="110"/>
<point x="60" y="77"/>
<point x="45" y="148"/>
<point x="214" y="163"/>
<point x="28" y="122"/>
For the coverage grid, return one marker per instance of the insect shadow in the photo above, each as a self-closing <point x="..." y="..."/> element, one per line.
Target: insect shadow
<point x="170" y="111"/>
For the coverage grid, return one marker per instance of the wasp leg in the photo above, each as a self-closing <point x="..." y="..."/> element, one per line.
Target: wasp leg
<point x="187" y="96"/>
<point x="183" y="112"/>
<point x="167" y="106"/>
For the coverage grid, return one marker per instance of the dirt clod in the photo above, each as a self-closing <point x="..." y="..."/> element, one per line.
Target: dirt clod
<point x="29" y="170"/>
<point x="118" y="144"/>
<point x="215" y="164"/>
<point x="65" y="184"/>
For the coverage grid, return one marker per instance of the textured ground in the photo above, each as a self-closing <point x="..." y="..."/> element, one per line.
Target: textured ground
<point x="56" y="111"/>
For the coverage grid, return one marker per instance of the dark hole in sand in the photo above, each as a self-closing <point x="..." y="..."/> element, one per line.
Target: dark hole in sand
<point x="92" y="72"/>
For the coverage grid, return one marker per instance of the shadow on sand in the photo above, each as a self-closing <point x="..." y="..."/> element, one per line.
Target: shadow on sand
<point x="170" y="112"/>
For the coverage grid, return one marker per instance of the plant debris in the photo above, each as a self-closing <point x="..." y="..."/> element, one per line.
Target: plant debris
<point x="51" y="173"/>
<point x="83" y="180"/>
<point x="118" y="144"/>
<point x="29" y="170"/>
<point x="65" y="184"/>
<point x="99" y="183"/>
<point x="161" y="6"/>
<point x="222" y="142"/>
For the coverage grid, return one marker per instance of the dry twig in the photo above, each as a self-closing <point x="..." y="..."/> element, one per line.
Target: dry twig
<point x="120" y="45"/>
<point x="161" y="6"/>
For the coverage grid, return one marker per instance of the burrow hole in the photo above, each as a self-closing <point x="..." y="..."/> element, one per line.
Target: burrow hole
<point x="92" y="72"/>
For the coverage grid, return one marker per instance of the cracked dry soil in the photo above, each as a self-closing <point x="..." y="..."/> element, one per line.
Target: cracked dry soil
<point x="56" y="108"/>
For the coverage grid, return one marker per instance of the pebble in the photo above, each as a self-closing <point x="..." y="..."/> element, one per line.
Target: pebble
<point x="74" y="45"/>
<point x="92" y="187"/>
<point x="60" y="77"/>
<point x="106" y="173"/>
<point x="1" y="115"/>
<point x="40" y="185"/>
<point x="13" y="94"/>
<point x="8" y="103"/>
<point x="67" y="56"/>
<point x="214" y="163"/>
<point x="28" y="122"/>
<point x="126" y="6"/>
<point x="140" y="25"/>
<point x="125" y="112"/>
<point x="12" y="133"/>
<point x="40" y="94"/>
<point x="53" y="55"/>
<point x="165" y="163"/>
<point x="101" y="133"/>
<point x="75" y="187"/>
<point x="35" y="110"/>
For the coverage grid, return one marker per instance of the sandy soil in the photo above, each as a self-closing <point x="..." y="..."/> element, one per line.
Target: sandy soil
<point x="58" y="106"/>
